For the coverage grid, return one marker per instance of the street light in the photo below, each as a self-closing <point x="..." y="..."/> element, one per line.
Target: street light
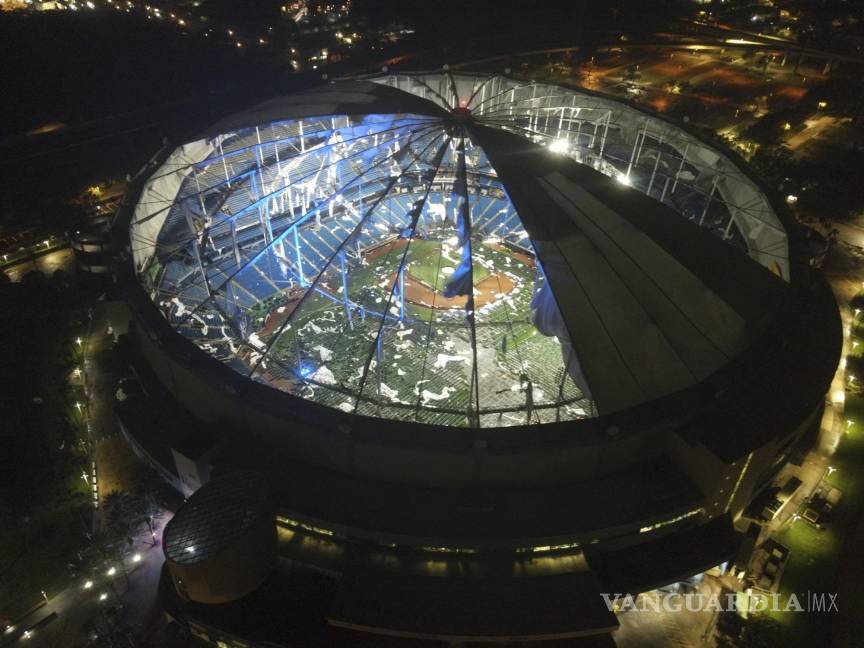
<point x="103" y="596"/>
<point x="112" y="571"/>
<point x="78" y="341"/>
<point x="44" y="595"/>
<point x="560" y="146"/>
<point x="88" y="584"/>
<point x="831" y="469"/>
<point x="136" y="558"/>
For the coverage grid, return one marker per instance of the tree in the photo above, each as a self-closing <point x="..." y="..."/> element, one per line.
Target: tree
<point x="762" y="631"/>
<point x="769" y="129"/>
<point x="124" y="513"/>
<point x="756" y="631"/>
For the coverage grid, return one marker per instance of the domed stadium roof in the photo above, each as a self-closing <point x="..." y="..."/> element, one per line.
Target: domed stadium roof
<point x="460" y="250"/>
<point x="216" y="517"/>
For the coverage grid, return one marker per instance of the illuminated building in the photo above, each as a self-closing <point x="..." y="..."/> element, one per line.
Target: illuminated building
<point x="482" y="334"/>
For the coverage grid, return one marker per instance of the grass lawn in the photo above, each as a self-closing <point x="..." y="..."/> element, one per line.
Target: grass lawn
<point x="37" y="545"/>
<point x="37" y="553"/>
<point x="814" y="562"/>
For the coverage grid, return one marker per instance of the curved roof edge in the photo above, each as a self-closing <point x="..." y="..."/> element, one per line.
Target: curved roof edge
<point x="333" y="98"/>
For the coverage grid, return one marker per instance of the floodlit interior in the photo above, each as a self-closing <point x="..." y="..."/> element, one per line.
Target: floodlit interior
<point x="374" y="262"/>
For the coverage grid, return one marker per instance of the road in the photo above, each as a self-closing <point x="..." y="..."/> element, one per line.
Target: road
<point x="78" y="605"/>
<point x="47" y="264"/>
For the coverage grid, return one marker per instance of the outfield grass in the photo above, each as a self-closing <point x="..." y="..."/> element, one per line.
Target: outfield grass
<point x="415" y="351"/>
<point x="426" y="263"/>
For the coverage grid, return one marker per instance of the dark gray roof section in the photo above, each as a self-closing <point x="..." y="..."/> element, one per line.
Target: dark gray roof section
<point x="667" y="559"/>
<point x="652" y="302"/>
<point x="215" y="516"/>
<point x="337" y="98"/>
<point x="480" y="517"/>
<point x="472" y="609"/>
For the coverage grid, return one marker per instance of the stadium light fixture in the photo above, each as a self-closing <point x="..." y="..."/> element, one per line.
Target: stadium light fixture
<point x="560" y="146"/>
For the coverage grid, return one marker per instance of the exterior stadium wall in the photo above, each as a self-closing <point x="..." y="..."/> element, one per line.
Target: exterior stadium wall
<point x="234" y="571"/>
<point x="731" y="486"/>
<point x="215" y="394"/>
<point x="221" y="401"/>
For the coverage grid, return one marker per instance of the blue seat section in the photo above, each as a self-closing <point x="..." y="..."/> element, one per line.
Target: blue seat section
<point x="272" y="272"/>
<point x="315" y="247"/>
<point x="484" y="210"/>
<point x="330" y="238"/>
<point x="175" y="272"/>
<point x="495" y="224"/>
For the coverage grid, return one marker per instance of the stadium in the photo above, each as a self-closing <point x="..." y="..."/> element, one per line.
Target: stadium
<point x="478" y="318"/>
